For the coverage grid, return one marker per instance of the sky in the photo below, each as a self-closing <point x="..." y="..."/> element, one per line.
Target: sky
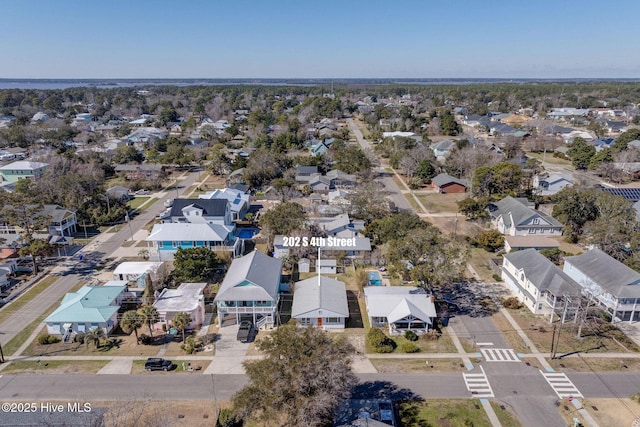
<point x="319" y="39"/>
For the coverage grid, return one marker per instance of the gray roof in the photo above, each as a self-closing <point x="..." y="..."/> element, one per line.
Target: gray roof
<point x="254" y="277"/>
<point x="444" y="179"/>
<point x="542" y="273"/>
<point x="444" y="145"/>
<point x="189" y="232"/>
<point x="610" y="274"/>
<point x="136" y="167"/>
<point x="520" y="213"/>
<point x="306" y="170"/>
<point x="319" y="294"/>
<point x="210" y="207"/>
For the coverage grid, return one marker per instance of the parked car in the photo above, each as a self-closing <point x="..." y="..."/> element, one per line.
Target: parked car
<point x="157" y="364"/>
<point x="246" y="331"/>
<point x="143" y="192"/>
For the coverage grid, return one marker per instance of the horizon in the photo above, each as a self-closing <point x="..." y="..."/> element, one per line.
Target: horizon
<point x="294" y="40"/>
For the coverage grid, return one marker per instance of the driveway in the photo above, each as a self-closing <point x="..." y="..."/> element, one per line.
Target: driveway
<point x="230" y="353"/>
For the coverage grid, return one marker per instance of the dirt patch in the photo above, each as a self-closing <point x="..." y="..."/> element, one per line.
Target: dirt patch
<point x="606" y="412"/>
<point x="425" y="364"/>
<point x="165" y="413"/>
<point x="55" y="366"/>
<point x="438" y="203"/>
<point x="588" y="364"/>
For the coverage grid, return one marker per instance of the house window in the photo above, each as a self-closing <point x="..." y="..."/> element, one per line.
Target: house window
<point x="536" y="220"/>
<point x="305" y="321"/>
<point x="174" y="244"/>
<point x="331" y="320"/>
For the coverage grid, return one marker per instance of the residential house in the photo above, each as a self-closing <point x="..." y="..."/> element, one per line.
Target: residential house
<point x="59" y="221"/>
<point x="519" y="243"/>
<point x="400" y="308"/>
<point x="250" y="290"/>
<point x="134" y="172"/>
<point x="552" y="184"/>
<point x="320" y="302"/>
<point x="538" y="283"/>
<point x="118" y="192"/>
<point x="136" y="271"/>
<point x="514" y="218"/>
<point x="89" y="308"/>
<point x="445" y="183"/>
<point x="615" y="127"/>
<point x="39" y="117"/>
<point x="212" y="211"/>
<point x="7" y="267"/>
<point x="5" y="121"/>
<point x="340" y="179"/>
<point x="366" y="413"/>
<point x="165" y="239"/>
<point x="235" y="177"/>
<point x="304" y="173"/>
<point x="319" y="184"/>
<point x="239" y="201"/>
<point x="443" y="148"/>
<point x="187" y="298"/>
<point x="326" y="266"/>
<point x="609" y="282"/>
<point x="146" y="135"/>
<point x="13" y="172"/>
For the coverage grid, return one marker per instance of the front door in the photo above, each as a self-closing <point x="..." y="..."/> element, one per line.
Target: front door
<point x="319" y="322"/>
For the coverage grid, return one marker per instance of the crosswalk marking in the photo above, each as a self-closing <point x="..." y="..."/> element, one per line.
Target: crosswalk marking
<point x="499" y="355"/>
<point x="478" y="384"/>
<point x="561" y="384"/>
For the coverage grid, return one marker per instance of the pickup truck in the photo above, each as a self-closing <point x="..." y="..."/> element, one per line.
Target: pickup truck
<point x="245" y="332"/>
<point x="157" y="364"/>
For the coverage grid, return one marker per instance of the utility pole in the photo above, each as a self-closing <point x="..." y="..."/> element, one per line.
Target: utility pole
<point x="129" y="222"/>
<point x="1" y="354"/>
<point x="553" y="338"/>
<point x="564" y="312"/>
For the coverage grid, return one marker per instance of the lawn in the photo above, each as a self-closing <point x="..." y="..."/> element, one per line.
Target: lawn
<point x="510" y="334"/>
<point x="437" y="203"/>
<point x="548" y="158"/>
<point x="588" y="364"/>
<point x="135" y="410"/>
<point x="23" y="299"/>
<point x="395" y="366"/>
<point x="443" y="413"/>
<point x="55" y="366"/>
<point x="125" y="345"/>
<point x="505" y="415"/>
<point x="598" y="340"/>
<point x="480" y="263"/>
<point x="137" y="201"/>
<point x="444" y="344"/>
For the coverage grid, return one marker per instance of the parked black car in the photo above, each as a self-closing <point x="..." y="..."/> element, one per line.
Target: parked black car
<point x="157" y="364"/>
<point x="246" y="331"/>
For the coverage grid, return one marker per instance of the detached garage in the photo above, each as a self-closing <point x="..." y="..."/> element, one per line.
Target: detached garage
<point x="445" y="183"/>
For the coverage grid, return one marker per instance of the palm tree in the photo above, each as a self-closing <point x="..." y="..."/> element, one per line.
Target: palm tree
<point x="149" y="316"/>
<point x="181" y="321"/>
<point x="94" y="336"/>
<point x="131" y="321"/>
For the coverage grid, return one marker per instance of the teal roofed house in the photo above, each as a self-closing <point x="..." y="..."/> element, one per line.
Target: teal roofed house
<point x="90" y="308"/>
<point x="13" y="172"/>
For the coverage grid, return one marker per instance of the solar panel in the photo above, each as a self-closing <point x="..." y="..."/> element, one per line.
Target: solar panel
<point x="628" y="193"/>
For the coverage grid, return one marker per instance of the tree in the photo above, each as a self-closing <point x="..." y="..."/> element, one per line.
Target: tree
<point x="425" y="170"/>
<point x="394" y="226"/>
<point x="474" y="208"/>
<point x="282" y="219"/>
<point x="149" y="316"/>
<point x="131" y="321"/>
<point x="503" y="178"/>
<point x="194" y="264"/>
<point x="574" y="207"/>
<point x="448" y="124"/>
<point x="581" y="153"/>
<point x="491" y="240"/>
<point x="624" y="139"/>
<point x="94" y="336"/>
<point x="304" y="376"/>
<point x="603" y="156"/>
<point x="127" y="154"/>
<point x="181" y="321"/>
<point x="427" y="256"/>
<point x="178" y="154"/>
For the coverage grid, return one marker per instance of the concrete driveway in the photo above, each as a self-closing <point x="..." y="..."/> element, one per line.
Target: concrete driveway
<point x="230" y="353"/>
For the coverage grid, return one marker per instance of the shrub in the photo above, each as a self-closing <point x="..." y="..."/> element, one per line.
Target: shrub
<point x="226" y="418"/>
<point x="145" y="339"/>
<point x="191" y="346"/>
<point x="635" y="397"/>
<point x="411" y="336"/>
<point x="409" y="347"/>
<point x="45" y="339"/>
<point x="512" y="303"/>
<point x="432" y="335"/>
<point x="79" y="338"/>
<point x="379" y="341"/>
<point x="497" y="277"/>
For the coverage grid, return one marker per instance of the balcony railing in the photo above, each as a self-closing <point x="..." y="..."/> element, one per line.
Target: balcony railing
<point x="243" y="310"/>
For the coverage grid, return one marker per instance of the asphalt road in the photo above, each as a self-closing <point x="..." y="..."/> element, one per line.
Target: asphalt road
<point x="73" y="271"/>
<point x="383" y="176"/>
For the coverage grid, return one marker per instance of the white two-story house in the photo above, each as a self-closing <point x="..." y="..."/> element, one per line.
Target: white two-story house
<point x="512" y="217"/>
<point x="612" y="284"/>
<point x="539" y="284"/>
